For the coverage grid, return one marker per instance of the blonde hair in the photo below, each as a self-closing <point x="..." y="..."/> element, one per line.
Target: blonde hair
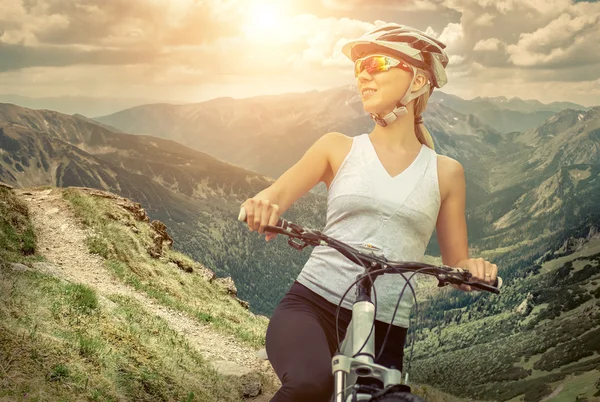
<point x="420" y="130"/>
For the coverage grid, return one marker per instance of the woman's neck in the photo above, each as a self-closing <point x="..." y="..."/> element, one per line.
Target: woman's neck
<point x="398" y="135"/>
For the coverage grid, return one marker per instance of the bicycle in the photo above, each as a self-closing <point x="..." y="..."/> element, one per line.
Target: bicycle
<point x="355" y="358"/>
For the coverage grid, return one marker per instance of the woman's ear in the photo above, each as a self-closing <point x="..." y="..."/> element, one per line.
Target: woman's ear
<point x="420" y="80"/>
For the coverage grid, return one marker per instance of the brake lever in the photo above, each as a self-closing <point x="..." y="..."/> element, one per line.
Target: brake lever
<point x="299" y="238"/>
<point x="296" y="245"/>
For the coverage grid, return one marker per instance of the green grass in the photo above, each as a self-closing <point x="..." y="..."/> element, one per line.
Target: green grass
<point x="528" y="365"/>
<point x="126" y="255"/>
<point x="17" y="237"/>
<point x="60" y="341"/>
<point x="82" y="298"/>
<point x="582" y="386"/>
<point x="57" y="342"/>
<point x="210" y="311"/>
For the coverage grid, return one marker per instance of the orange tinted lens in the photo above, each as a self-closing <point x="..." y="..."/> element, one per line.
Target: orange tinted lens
<point x="375" y="64"/>
<point x="372" y="64"/>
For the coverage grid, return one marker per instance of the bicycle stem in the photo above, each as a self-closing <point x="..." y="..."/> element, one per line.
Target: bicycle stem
<point x="363" y="311"/>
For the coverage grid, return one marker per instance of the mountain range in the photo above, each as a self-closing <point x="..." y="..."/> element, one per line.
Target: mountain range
<point x="523" y="170"/>
<point x="197" y="195"/>
<point x="531" y="199"/>
<point x="504" y="114"/>
<point x="297" y="120"/>
<point x="517" y="163"/>
<point x="84" y="105"/>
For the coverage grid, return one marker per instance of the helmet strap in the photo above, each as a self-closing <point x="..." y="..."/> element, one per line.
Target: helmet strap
<point x="400" y="109"/>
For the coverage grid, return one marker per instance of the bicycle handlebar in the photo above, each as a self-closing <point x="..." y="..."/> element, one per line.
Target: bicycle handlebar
<point x="445" y="274"/>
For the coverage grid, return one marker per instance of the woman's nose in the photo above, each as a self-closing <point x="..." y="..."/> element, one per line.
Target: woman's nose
<point x="364" y="76"/>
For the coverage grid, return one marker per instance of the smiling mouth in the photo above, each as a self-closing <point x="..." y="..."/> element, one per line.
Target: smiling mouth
<point x="368" y="91"/>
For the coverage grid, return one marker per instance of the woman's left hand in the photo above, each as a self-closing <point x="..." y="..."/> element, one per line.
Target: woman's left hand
<point x="482" y="271"/>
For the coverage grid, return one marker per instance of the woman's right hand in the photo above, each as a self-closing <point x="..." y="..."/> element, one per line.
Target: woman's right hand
<point x="294" y="183"/>
<point x="259" y="214"/>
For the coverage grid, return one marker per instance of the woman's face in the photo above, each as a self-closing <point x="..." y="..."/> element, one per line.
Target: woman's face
<point x="381" y="91"/>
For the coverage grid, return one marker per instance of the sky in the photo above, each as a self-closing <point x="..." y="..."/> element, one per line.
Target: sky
<point x="195" y="50"/>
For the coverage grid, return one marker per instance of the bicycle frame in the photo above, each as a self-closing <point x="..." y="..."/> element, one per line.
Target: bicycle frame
<point x="357" y="357"/>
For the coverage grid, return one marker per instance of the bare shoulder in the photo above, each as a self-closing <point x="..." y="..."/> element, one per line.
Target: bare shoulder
<point x="335" y="138"/>
<point x="334" y="145"/>
<point x="451" y="175"/>
<point x="339" y="143"/>
<point x="449" y="165"/>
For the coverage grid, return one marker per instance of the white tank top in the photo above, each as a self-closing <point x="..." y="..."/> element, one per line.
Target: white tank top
<point x="396" y="215"/>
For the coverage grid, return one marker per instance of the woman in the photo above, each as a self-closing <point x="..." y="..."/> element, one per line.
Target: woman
<point x="386" y="190"/>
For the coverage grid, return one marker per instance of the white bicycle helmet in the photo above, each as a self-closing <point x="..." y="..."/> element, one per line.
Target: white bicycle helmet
<point x="415" y="47"/>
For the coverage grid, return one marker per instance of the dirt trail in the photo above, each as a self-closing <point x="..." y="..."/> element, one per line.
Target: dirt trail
<point x="61" y="240"/>
<point x="553" y="394"/>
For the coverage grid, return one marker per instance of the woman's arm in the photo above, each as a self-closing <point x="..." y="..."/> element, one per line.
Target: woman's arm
<point x="451" y="227"/>
<point x="292" y="184"/>
<point x="305" y="174"/>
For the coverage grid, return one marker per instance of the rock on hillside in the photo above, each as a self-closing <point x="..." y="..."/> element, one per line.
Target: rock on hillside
<point x="108" y="244"/>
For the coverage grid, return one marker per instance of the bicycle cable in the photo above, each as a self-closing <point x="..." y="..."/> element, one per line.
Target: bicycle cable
<point x="409" y="284"/>
<point x="361" y="277"/>
<point x="337" y="314"/>
<point x="413" y="338"/>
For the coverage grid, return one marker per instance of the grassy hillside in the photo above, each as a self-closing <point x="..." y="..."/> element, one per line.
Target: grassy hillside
<point x="541" y="335"/>
<point x="17" y="237"/>
<point x="127" y="254"/>
<point x="61" y="340"/>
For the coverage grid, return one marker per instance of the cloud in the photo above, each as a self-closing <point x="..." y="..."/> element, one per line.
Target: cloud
<point x="108" y="32"/>
<point x="309" y="46"/>
<point x="453" y="36"/>
<point x="484" y="19"/>
<point x="323" y="39"/>
<point x="405" y="5"/>
<point x="567" y="40"/>
<point x="525" y="34"/>
<point x="490" y="44"/>
<point x="527" y="84"/>
<point x="517" y="48"/>
<point x="140" y="80"/>
<point x="455" y="60"/>
<point x="494" y="7"/>
<point x="504" y="20"/>
<point x="112" y="23"/>
<point x="429" y="31"/>
<point x="14" y="57"/>
<point x="132" y="46"/>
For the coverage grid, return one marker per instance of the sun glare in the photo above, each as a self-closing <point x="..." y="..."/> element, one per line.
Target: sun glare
<point x="263" y="18"/>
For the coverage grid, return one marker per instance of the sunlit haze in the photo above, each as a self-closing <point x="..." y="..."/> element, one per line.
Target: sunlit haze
<point x="194" y="50"/>
<point x="264" y="19"/>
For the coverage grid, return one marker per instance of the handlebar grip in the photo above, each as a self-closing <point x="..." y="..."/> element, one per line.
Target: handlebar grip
<point x="495" y="288"/>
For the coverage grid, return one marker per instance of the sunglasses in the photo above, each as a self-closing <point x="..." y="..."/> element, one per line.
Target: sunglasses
<point x="377" y="63"/>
